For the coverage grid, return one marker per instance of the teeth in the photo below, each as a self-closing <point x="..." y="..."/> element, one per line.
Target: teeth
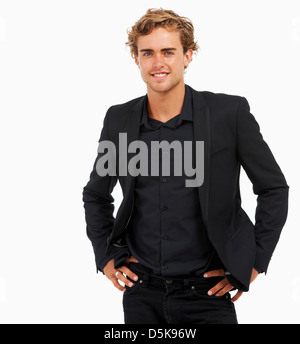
<point x="160" y="75"/>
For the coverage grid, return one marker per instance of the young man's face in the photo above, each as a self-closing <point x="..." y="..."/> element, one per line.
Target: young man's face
<point x="161" y="59"/>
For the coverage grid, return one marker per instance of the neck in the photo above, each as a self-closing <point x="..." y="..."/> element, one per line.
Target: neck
<point x="165" y="105"/>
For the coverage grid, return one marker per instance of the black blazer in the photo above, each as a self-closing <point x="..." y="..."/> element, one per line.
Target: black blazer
<point x="232" y="139"/>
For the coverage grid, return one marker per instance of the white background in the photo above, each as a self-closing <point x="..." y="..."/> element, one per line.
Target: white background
<point x="62" y="64"/>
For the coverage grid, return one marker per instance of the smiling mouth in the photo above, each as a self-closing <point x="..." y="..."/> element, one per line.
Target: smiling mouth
<point x="159" y="75"/>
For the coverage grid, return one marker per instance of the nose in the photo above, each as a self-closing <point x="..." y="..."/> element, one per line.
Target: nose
<point x="158" y="61"/>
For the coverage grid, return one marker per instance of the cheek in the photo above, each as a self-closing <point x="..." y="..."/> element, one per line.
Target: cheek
<point x="143" y="67"/>
<point x="176" y="64"/>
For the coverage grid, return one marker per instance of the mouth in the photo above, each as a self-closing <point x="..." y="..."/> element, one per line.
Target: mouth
<point x="160" y="76"/>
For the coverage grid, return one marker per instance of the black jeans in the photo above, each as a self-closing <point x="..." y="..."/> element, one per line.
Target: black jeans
<point x="155" y="300"/>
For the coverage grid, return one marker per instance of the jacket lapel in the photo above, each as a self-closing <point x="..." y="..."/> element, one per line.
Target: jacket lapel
<point x="201" y="124"/>
<point x="132" y="128"/>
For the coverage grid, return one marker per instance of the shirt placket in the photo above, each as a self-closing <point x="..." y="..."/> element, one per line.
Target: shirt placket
<point x="163" y="202"/>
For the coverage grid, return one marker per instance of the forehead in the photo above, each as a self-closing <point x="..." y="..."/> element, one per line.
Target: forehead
<point x="159" y="38"/>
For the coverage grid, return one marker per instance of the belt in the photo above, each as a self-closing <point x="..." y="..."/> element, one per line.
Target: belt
<point x="160" y="282"/>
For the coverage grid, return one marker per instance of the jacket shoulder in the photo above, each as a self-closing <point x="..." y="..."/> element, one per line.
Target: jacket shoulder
<point x="123" y="107"/>
<point x="224" y="105"/>
<point x="220" y="98"/>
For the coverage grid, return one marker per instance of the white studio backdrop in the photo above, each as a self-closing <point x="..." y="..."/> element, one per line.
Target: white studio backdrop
<point x="62" y="64"/>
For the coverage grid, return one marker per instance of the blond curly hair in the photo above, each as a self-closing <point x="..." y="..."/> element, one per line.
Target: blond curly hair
<point x="162" y="18"/>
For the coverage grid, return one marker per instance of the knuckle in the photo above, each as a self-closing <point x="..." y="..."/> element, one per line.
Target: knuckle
<point x="125" y="270"/>
<point x="214" y="290"/>
<point x="130" y="273"/>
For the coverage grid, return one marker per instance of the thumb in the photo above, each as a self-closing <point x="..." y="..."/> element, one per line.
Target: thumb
<point x="237" y="296"/>
<point x="132" y="259"/>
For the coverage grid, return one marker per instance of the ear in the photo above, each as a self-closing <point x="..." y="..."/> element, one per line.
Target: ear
<point x="188" y="57"/>
<point x="136" y="59"/>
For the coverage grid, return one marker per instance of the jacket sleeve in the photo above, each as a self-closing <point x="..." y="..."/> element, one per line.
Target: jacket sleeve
<point x="268" y="182"/>
<point x="99" y="207"/>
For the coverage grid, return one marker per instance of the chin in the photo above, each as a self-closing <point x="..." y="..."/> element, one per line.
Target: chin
<point x="161" y="87"/>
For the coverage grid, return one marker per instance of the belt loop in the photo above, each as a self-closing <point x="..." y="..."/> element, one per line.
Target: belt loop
<point x="145" y="278"/>
<point x="186" y="282"/>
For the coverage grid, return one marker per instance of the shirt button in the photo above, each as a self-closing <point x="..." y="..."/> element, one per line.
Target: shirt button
<point x="164" y="180"/>
<point x="165" y="267"/>
<point x="165" y="237"/>
<point x="165" y="208"/>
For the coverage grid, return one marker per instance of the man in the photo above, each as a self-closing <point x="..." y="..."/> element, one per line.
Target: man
<point x="180" y="244"/>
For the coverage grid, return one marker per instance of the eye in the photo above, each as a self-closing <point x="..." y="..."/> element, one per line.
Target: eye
<point x="169" y="53"/>
<point x="147" y="54"/>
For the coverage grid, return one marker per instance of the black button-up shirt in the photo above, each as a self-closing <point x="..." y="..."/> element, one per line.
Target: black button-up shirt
<point x="166" y="232"/>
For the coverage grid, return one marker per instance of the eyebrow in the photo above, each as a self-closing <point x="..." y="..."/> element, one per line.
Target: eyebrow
<point x="151" y="50"/>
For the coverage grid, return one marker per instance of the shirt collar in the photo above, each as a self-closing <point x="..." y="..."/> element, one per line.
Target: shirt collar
<point x="186" y="113"/>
